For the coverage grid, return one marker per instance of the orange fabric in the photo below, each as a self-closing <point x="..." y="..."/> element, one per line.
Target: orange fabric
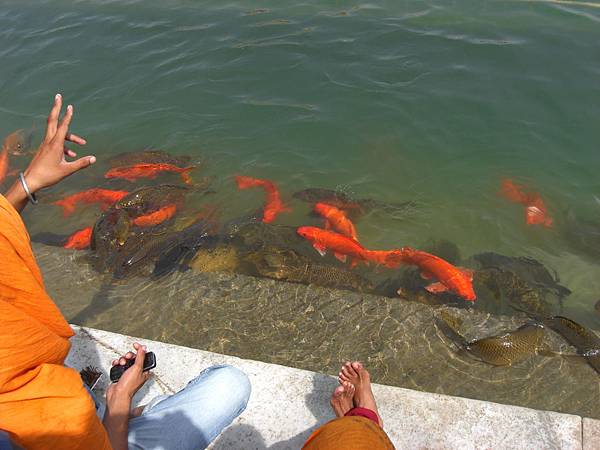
<point x="349" y="433"/>
<point x="43" y="405"/>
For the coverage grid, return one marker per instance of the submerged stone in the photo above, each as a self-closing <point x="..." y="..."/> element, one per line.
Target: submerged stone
<point x="318" y="328"/>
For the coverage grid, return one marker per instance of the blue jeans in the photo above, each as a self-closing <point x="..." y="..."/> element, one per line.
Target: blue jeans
<point x="194" y="416"/>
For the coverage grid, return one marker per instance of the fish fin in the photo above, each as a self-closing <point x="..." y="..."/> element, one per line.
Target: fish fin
<point x="185" y="175"/>
<point x="467" y="272"/>
<point x="327" y="225"/>
<point x="353" y="263"/>
<point x="340" y="256"/>
<point x="436" y="288"/>
<point x="427" y="275"/>
<point x="321" y="249"/>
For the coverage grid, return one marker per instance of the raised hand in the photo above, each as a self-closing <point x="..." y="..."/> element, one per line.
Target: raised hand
<point x="49" y="165"/>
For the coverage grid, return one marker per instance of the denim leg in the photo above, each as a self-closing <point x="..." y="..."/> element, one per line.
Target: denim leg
<point x="194" y="416"/>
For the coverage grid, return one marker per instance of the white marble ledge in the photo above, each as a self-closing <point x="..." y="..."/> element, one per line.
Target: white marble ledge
<point x="287" y="404"/>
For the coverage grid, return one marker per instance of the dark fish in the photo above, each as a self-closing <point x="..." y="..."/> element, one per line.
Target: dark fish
<point x="583" y="236"/>
<point x="151" y="198"/>
<point x="584" y="340"/>
<point x="142" y="250"/>
<point x="148" y="156"/>
<point x="502" y="350"/>
<point x="48" y="238"/>
<point x="18" y="142"/>
<point x="511" y="292"/>
<point x="351" y="205"/>
<point x="290" y="266"/>
<point x="110" y="233"/>
<point x="529" y="269"/>
<point x="183" y="247"/>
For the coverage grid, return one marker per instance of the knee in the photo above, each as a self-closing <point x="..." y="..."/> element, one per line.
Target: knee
<point x="234" y="385"/>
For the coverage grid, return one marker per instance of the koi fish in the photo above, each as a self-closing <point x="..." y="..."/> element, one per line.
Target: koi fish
<point x="156" y="217"/>
<point x="80" y="239"/>
<point x="535" y="208"/>
<point x="18" y="142"/>
<point x="451" y="278"/>
<point x="105" y="197"/>
<point x="336" y="219"/>
<point x="273" y="206"/>
<point x="150" y="170"/>
<point x="344" y="247"/>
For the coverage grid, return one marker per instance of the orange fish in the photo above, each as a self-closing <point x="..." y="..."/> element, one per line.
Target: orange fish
<point x="135" y="171"/>
<point x="105" y="197"/>
<point x="343" y="247"/>
<point x="3" y="164"/>
<point x="80" y="239"/>
<point x="273" y="205"/>
<point x="156" y="217"/>
<point x="451" y="278"/>
<point x="336" y="219"/>
<point x="535" y="208"/>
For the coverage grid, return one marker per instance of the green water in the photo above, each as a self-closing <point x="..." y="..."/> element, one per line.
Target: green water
<point x="427" y="101"/>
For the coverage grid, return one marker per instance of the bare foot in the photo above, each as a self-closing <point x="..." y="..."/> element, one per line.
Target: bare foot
<point x="341" y="399"/>
<point x="355" y="373"/>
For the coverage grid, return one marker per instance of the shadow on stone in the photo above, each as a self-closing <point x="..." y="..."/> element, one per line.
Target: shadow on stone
<point x="317" y="401"/>
<point x="239" y="436"/>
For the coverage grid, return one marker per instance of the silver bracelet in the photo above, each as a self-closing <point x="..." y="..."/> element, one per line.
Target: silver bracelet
<point x="31" y="196"/>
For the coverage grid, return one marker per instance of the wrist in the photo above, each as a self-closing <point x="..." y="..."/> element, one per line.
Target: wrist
<point x="117" y="399"/>
<point x="31" y="182"/>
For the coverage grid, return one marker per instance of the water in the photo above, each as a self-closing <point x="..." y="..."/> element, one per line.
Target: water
<point x="432" y="101"/>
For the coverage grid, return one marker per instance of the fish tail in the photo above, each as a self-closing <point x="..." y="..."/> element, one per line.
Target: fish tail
<point x="513" y="192"/>
<point x="185" y="175"/>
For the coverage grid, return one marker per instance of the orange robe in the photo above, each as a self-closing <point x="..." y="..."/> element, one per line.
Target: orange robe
<point x="43" y="404"/>
<point x="349" y="433"/>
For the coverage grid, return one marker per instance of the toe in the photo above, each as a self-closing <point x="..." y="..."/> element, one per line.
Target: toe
<point x="350" y="389"/>
<point x="352" y="371"/>
<point x="346" y="373"/>
<point x="338" y="391"/>
<point x="357" y="365"/>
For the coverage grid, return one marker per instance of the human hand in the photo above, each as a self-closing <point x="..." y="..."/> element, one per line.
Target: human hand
<point x="132" y="379"/>
<point x="49" y="165"/>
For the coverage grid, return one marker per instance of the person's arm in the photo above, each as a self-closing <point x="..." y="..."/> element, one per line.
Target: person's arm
<point x="119" y="396"/>
<point x="49" y="165"/>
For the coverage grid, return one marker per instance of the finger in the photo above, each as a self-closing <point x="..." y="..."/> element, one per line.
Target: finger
<point x="75" y="139"/>
<point x="53" y="118"/>
<point x="70" y="152"/>
<point x="79" y="164"/>
<point x="122" y="360"/>
<point x="115" y="362"/>
<point x="129" y="355"/>
<point x="139" y="359"/>
<point x="63" y="128"/>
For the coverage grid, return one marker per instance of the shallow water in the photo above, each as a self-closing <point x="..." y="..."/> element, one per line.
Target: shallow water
<point x="431" y="101"/>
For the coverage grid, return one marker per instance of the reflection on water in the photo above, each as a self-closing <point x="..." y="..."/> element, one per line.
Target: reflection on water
<point x="409" y="114"/>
